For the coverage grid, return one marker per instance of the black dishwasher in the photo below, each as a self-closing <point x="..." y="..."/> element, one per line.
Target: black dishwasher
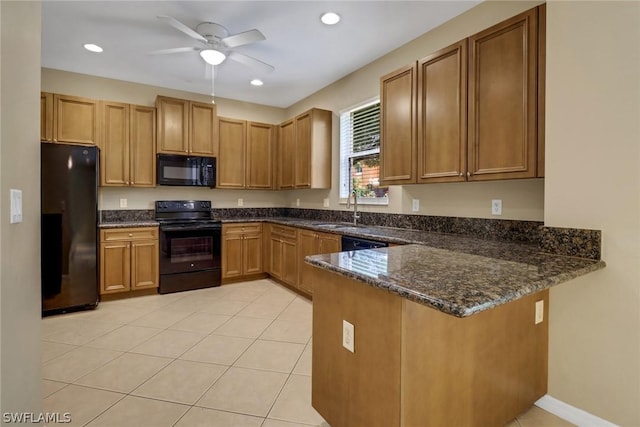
<point x="355" y="243"/>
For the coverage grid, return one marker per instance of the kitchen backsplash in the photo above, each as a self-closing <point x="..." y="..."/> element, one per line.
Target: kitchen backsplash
<point x="562" y="241"/>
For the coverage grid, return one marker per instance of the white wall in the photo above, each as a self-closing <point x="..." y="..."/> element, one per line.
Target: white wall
<point x="593" y="181"/>
<point x="20" y="376"/>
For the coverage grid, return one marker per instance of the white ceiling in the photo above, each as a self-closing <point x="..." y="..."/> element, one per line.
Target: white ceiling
<point x="306" y="54"/>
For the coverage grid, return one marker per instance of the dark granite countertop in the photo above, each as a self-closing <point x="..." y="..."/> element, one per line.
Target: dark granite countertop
<point x="128" y="224"/>
<point x="458" y="282"/>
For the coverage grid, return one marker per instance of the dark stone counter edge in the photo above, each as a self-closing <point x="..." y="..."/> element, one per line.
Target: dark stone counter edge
<point x="128" y="224"/>
<point x="455" y="309"/>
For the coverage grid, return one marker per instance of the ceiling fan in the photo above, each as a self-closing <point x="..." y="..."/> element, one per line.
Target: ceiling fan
<point x="217" y="44"/>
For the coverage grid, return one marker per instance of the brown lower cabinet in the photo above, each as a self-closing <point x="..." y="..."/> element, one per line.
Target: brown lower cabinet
<point x="242" y="250"/>
<point x="413" y="365"/>
<point x="129" y="259"/>
<point x="283" y="254"/>
<point x="313" y="243"/>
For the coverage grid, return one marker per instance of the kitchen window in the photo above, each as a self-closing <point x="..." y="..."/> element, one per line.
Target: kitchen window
<point x="360" y="154"/>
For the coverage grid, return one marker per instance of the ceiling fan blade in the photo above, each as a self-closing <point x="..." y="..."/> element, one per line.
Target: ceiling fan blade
<point x="251" y="62"/>
<point x="173" y="50"/>
<point x="246" y="37"/>
<point x="181" y="27"/>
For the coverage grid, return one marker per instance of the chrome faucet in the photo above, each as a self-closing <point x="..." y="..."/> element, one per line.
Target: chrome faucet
<point x="355" y="206"/>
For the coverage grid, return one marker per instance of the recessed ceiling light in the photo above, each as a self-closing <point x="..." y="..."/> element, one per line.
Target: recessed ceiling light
<point x="93" y="47"/>
<point x="257" y="82"/>
<point x="330" y="18"/>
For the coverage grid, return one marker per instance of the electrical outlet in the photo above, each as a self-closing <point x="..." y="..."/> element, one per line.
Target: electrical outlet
<point x="240" y="202"/>
<point x="496" y="207"/>
<point x="16" y="206"/>
<point x="348" y="336"/>
<point x="297" y="202"/>
<point x="539" y="311"/>
<point x="325" y="203"/>
<point x="415" y="206"/>
<point x="123" y="203"/>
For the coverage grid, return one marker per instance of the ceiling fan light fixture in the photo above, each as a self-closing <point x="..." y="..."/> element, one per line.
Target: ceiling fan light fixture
<point x="330" y="18"/>
<point x="212" y="56"/>
<point x="93" y="47"/>
<point x="257" y="82"/>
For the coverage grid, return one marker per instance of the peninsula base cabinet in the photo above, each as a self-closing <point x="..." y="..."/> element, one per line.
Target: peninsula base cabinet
<point x="129" y="259"/>
<point x="413" y="365"/>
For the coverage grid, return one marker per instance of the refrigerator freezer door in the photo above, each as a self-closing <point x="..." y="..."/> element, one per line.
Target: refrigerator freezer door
<point x="69" y="194"/>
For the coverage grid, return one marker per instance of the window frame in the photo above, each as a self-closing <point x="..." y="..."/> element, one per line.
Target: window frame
<point x="347" y="155"/>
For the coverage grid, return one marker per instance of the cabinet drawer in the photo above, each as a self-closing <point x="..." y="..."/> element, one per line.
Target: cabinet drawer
<point x="146" y="233"/>
<point x="283" y="231"/>
<point x="247" y="228"/>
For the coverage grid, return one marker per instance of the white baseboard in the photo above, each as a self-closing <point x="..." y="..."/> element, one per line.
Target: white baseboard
<point x="571" y="413"/>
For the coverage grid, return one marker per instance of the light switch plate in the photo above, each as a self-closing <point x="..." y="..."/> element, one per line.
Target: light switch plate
<point x="415" y="205"/>
<point x="123" y="203"/>
<point x="16" y="206"/>
<point x="325" y="203"/>
<point x="240" y="202"/>
<point x="297" y="202"/>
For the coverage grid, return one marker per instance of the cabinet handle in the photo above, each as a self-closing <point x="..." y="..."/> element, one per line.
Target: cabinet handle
<point x="460" y="174"/>
<point x="130" y="234"/>
<point x="55" y="140"/>
<point x="468" y="174"/>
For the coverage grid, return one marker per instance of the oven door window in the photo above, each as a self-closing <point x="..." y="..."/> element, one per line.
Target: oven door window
<point x="189" y="250"/>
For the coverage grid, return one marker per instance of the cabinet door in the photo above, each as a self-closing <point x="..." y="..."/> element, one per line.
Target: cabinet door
<point x="232" y="254"/>
<point x="115" y="267"/>
<point x="142" y="142"/>
<point x="46" y="117"/>
<point x="203" y="136"/>
<point x="275" y="265"/>
<point x="302" y="169"/>
<point x="75" y="120"/>
<point x="289" y="267"/>
<point x="259" y="172"/>
<point x="442" y="112"/>
<point x="144" y="264"/>
<point x="502" y="100"/>
<point x="397" y="126"/>
<point x="252" y="253"/>
<point x="231" y="158"/>
<point x="307" y="245"/>
<point x="173" y="125"/>
<point x="329" y="243"/>
<point x="287" y="155"/>
<point x="114" y="158"/>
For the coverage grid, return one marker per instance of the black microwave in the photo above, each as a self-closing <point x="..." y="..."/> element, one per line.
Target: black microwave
<point x="186" y="170"/>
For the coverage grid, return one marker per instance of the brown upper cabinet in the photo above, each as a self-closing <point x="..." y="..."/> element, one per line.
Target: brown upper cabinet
<point x="305" y="150"/>
<point x="69" y="119"/>
<point x="503" y="64"/>
<point x="245" y="154"/>
<point x="186" y="127"/>
<point x="397" y="127"/>
<point x="442" y="111"/>
<point x="479" y="109"/>
<point x="287" y="155"/>
<point x="128" y="145"/>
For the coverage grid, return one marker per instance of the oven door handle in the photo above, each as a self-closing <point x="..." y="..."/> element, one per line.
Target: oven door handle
<point x="189" y="227"/>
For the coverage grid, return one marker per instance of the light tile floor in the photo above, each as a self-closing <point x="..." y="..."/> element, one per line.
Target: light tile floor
<point x="236" y="355"/>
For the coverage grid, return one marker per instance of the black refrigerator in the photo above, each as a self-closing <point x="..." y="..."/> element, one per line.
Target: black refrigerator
<point x="69" y="243"/>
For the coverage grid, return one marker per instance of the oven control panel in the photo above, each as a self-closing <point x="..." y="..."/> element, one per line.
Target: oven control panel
<point x="183" y="205"/>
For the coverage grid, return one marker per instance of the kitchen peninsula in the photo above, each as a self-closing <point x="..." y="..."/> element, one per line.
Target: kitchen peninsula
<point x="441" y="336"/>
